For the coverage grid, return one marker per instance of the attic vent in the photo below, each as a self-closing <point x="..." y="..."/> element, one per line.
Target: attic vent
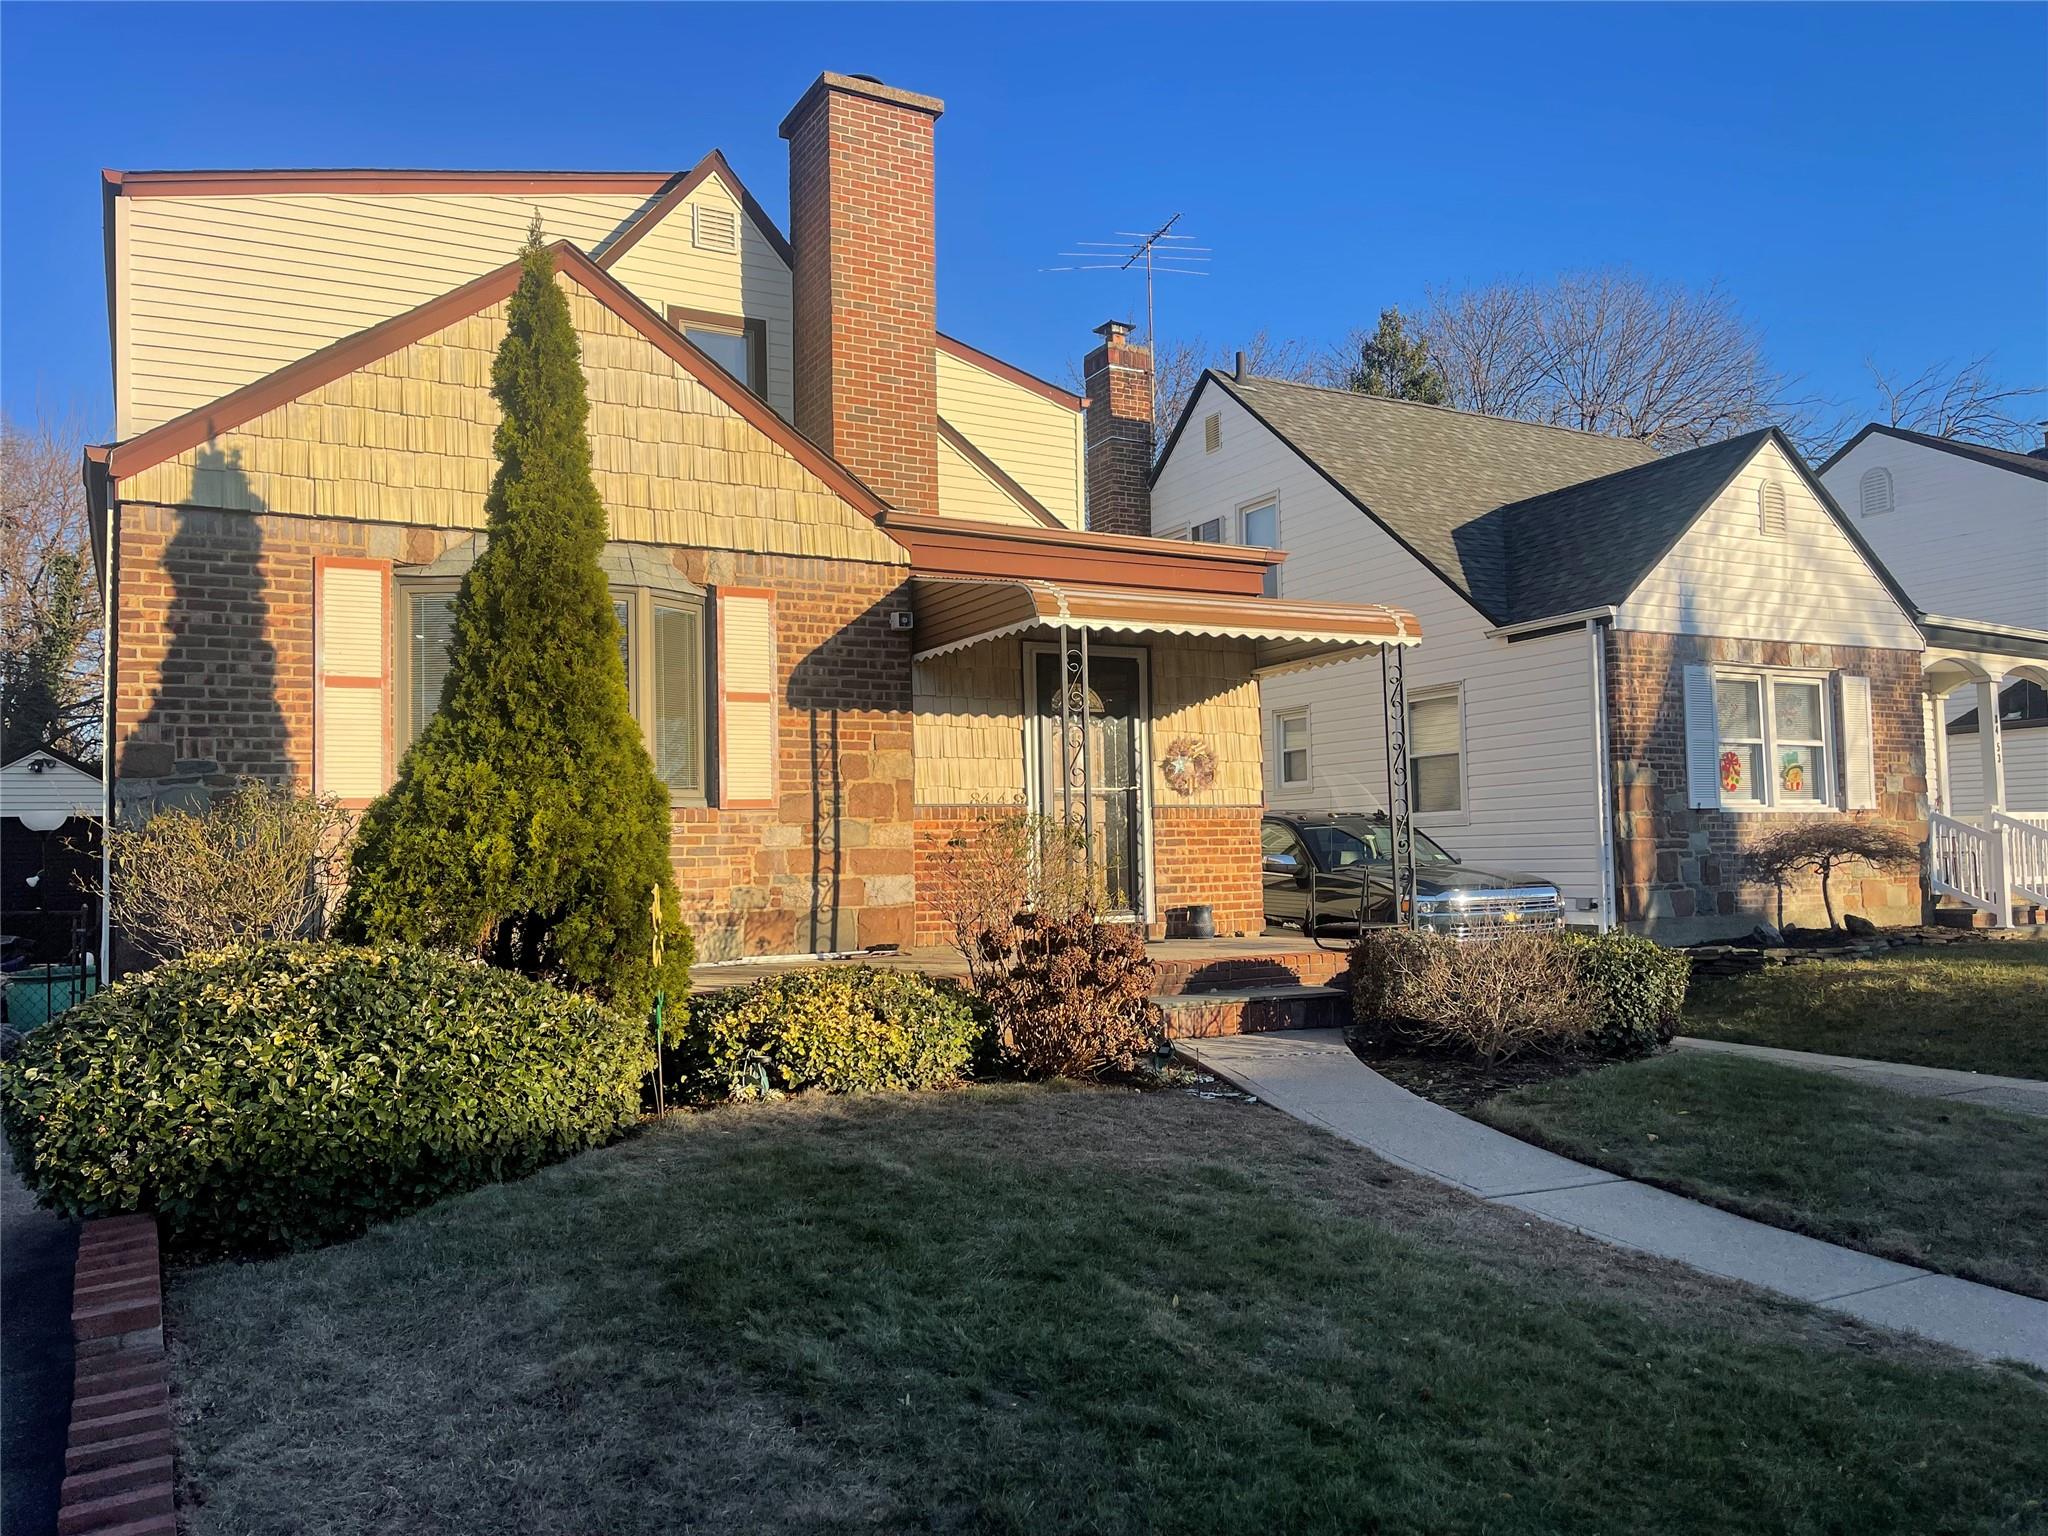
<point x="1874" y="491"/>
<point x="713" y="228"/>
<point x="1212" y="432"/>
<point x="1770" y="509"/>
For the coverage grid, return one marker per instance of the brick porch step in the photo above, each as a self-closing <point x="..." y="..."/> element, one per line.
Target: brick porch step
<point x="1252" y="1010"/>
<point x="1280" y="967"/>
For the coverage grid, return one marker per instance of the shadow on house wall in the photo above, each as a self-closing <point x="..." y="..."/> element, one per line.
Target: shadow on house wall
<point x="196" y="639"/>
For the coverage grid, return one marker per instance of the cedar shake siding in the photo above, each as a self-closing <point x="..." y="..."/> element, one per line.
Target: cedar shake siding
<point x="1680" y="873"/>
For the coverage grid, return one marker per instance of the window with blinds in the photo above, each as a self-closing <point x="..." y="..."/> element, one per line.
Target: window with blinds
<point x="429" y="639"/>
<point x="678" y="706"/>
<point x="746" y="697"/>
<point x="1436" y="746"/>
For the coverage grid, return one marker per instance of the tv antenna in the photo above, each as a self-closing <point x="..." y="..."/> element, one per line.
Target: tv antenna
<point x="1159" y="252"/>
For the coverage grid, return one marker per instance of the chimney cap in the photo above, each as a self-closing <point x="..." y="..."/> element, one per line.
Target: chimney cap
<point x="857" y="85"/>
<point x="1113" y="330"/>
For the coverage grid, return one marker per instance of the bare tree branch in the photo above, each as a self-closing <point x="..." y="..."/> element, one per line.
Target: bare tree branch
<point x="50" y="642"/>
<point x="1958" y="401"/>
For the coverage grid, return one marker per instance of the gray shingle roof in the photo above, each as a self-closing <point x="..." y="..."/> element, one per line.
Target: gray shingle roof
<point x="1588" y="545"/>
<point x="1434" y="477"/>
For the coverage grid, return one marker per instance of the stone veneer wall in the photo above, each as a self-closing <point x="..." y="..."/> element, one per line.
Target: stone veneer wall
<point x="215" y="683"/>
<point x="1679" y="872"/>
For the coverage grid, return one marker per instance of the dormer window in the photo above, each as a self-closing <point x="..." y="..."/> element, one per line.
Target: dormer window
<point x="736" y="343"/>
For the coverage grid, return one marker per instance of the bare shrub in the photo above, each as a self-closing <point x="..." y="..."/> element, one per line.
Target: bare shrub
<point x="258" y="863"/>
<point x="1004" y="862"/>
<point x="1822" y="847"/>
<point x="1489" y="1000"/>
<point x="1072" y="995"/>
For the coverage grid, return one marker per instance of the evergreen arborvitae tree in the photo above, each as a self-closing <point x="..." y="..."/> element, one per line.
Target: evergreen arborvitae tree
<point x="1395" y="365"/>
<point x="527" y="823"/>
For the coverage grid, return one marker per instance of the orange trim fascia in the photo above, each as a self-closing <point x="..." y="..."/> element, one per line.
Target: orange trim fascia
<point x="713" y="164"/>
<point x="749" y="696"/>
<point x="206" y="422"/>
<point x="321" y="565"/>
<point x="1010" y="371"/>
<point x="362" y="181"/>
<point x="351" y="352"/>
<point x="952" y="546"/>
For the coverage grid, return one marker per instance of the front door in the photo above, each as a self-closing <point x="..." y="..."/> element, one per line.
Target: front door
<point x="1115" y="798"/>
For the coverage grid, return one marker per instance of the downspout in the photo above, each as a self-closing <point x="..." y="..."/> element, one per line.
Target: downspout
<point x="1603" y="769"/>
<point x="104" y="490"/>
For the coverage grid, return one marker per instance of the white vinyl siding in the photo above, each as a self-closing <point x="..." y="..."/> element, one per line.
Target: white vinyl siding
<point x="1531" y="799"/>
<point x="1033" y="440"/>
<point x="46" y="798"/>
<point x="1965" y="539"/>
<point x="217" y="292"/>
<point x="1725" y="577"/>
<point x="2026" y="766"/>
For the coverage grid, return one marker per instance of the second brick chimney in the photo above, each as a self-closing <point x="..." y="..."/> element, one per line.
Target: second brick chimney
<point x="1119" y="432"/>
<point x="861" y="220"/>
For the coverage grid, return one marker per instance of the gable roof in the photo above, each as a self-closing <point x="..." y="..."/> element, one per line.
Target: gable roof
<point x="713" y="164"/>
<point x="1525" y="521"/>
<point x="1590" y="545"/>
<point x="2033" y="465"/>
<point x="352" y="352"/>
<point x="1428" y="475"/>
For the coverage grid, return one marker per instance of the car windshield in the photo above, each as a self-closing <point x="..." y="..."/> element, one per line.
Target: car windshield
<point x="1362" y="840"/>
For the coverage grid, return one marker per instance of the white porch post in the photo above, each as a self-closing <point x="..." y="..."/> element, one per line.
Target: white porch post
<point x="1944" y="798"/>
<point x="1991" y="742"/>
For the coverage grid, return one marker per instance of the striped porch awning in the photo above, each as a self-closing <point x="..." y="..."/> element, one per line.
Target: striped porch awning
<point x="954" y="612"/>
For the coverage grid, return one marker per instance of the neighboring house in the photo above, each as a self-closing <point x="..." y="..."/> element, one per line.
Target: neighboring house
<point x="848" y="552"/>
<point x="49" y="856"/>
<point x="1635" y="665"/>
<point x="1965" y="528"/>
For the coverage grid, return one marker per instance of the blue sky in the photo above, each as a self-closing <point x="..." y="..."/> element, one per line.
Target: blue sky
<point x="1867" y="180"/>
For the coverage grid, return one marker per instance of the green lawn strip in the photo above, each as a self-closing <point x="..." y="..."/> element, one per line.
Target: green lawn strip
<point x="1037" y="1310"/>
<point x="1980" y="1010"/>
<point x="1958" y="1188"/>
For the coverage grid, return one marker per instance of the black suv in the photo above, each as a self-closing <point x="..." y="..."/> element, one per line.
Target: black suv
<point x="1326" y="872"/>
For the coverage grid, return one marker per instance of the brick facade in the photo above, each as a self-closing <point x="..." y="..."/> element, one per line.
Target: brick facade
<point x="1119" y="433"/>
<point x="215" y="683"/>
<point x="862" y="220"/>
<point x="1680" y="873"/>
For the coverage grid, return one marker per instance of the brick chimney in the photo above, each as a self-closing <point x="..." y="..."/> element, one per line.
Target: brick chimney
<point x="1119" y="432"/>
<point x="861" y="221"/>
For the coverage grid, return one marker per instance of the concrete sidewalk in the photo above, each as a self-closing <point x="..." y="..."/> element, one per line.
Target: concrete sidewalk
<point x="1312" y="1075"/>
<point x="2022" y="1095"/>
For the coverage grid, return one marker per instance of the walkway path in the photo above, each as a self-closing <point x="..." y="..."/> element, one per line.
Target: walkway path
<point x="1312" y="1075"/>
<point x="2024" y="1095"/>
<point x="36" y="1250"/>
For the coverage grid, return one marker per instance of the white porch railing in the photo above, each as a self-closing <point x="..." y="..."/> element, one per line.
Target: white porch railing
<point x="1966" y="863"/>
<point x="2023" y="844"/>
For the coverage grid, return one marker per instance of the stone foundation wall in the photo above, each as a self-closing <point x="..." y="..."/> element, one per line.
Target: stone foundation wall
<point x="1680" y="873"/>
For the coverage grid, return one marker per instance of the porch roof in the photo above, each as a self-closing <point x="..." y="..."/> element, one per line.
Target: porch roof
<point x="954" y="612"/>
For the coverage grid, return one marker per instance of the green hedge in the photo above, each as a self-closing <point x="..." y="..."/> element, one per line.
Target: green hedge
<point x="277" y="1094"/>
<point x="842" y="1028"/>
<point x="1639" y="990"/>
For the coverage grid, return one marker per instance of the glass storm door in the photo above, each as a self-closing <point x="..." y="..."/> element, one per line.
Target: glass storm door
<point x="1115" y="798"/>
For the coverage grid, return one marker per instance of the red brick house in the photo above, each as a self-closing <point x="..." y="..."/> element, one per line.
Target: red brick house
<point x="851" y="556"/>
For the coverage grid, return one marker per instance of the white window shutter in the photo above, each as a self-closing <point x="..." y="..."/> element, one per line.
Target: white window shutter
<point x="352" y="665"/>
<point x="1702" y="740"/>
<point x="746" y="697"/>
<point x="1859" y="767"/>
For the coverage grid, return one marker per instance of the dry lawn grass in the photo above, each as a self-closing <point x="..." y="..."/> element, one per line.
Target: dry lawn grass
<point x="1047" y="1310"/>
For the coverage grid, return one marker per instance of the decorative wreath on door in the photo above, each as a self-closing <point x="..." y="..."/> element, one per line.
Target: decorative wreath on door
<point x="1189" y="765"/>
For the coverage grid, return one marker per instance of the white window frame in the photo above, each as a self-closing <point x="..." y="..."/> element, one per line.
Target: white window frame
<point x="1828" y="796"/>
<point x="1245" y="509"/>
<point x="1282" y="718"/>
<point x="1462" y="816"/>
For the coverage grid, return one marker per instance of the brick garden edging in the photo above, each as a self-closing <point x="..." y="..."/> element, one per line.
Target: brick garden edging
<point x="117" y="1461"/>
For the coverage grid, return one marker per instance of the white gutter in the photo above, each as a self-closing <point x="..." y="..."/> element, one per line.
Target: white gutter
<point x="1603" y="807"/>
<point x="1552" y="621"/>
